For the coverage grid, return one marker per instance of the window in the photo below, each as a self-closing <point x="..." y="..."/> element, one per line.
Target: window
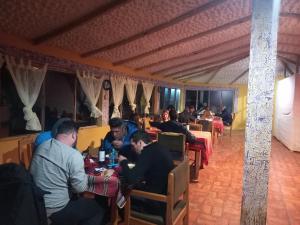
<point x="169" y="96"/>
<point x="215" y="99"/>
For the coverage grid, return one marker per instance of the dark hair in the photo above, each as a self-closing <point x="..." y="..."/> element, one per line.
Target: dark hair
<point x="141" y="135"/>
<point x="115" y="122"/>
<point x="67" y="127"/>
<point x="170" y="107"/>
<point x="191" y="107"/>
<point x="173" y="115"/>
<point x="57" y="124"/>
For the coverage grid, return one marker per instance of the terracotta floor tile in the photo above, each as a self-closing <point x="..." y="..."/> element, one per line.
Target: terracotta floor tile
<point x="216" y="199"/>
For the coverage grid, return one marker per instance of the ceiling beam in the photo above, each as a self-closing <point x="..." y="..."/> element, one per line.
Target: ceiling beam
<point x="187" y="39"/>
<point x="200" y="51"/>
<point x="78" y="22"/>
<point x="204" y="65"/>
<point x="288" y="53"/>
<point x="239" y="76"/>
<point x="288" y="44"/>
<point x="219" y="54"/>
<point x="213" y="76"/>
<point x="206" y="70"/>
<point x="231" y="61"/>
<point x="286" y="66"/>
<point x="157" y="28"/>
<point x="288" y="14"/>
<point x="286" y="59"/>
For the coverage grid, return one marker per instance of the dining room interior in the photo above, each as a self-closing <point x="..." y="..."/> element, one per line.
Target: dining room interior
<point x="215" y="82"/>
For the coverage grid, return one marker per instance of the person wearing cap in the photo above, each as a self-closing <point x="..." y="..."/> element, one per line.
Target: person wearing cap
<point x="57" y="168"/>
<point x="119" y="137"/>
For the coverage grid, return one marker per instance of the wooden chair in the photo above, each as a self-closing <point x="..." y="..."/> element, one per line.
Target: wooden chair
<point x="230" y="127"/>
<point x="177" y="200"/>
<point x="175" y="142"/>
<point x="25" y="150"/>
<point x="197" y="127"/>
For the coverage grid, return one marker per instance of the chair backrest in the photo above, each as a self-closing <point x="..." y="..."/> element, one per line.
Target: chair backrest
<point x="178" y="191"/>
<point x="197" y="127"/>
<point x="25" y="150"/>
<point x="206" y="125"/>
<point x="175" y="142"/>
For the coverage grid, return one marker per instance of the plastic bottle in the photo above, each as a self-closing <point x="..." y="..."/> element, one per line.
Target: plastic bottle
<point x="112" y="157"/>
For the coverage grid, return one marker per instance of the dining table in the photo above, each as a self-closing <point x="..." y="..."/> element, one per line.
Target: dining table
<point x="217" y="127"/>
<point x="101" y="184"/>
<point x="203" y="148"/>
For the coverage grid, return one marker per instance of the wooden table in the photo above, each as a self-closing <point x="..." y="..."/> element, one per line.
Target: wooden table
<point x="202" y="148"/>
<point x="104" y="186"/>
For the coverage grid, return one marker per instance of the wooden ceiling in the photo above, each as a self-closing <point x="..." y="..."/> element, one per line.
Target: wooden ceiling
<point x="204" y="41"/>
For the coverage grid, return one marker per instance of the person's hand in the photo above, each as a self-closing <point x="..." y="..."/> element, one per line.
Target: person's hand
<point x="121" y="158"/>
<point x="117" y="144"/>
<point x="109" y="172"/>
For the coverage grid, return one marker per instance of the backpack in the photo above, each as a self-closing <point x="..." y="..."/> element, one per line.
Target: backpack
<point x="21" y="201"/>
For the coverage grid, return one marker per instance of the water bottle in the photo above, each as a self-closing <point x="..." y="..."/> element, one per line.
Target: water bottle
<point x="101" y="153"/>
<point x="112" y="157"/>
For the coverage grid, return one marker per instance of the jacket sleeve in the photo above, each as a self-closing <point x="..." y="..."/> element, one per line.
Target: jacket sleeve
<point x="78" y="178"/>
<point x="136" y="175"/>
<point x="107" y="144"/>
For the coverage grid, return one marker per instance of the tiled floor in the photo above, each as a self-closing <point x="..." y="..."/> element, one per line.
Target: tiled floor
<point x="216" y="199"/>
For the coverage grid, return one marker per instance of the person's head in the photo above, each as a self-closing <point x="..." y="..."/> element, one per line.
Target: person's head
<point x="191" y="108"/>
<point x="139" y="140"/>
<point x="173" y="115"/>
<point x="165" y="116"/>
<point x="117" y="128"/>
<point x="67" y="133"/>
<point x="170" y="107"/>
<point x="57" y="124"/>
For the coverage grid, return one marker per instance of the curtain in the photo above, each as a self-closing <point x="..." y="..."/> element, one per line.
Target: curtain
<point x="131" y="86"/>
<point x="91" y="86"/>
<point x="147" y="89"/>
<point x="28" y="81"/>
<point x="182" y="99"/>
<point x="117" y="85"/>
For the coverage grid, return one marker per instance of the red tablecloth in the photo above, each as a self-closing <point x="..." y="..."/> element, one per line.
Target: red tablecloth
<point x="99" y="184"/>
<point x="202" y="137"/>
<point x="218" y="124"/>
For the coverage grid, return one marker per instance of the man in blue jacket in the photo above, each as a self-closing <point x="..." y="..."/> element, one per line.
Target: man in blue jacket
<point x="119" y="137"/>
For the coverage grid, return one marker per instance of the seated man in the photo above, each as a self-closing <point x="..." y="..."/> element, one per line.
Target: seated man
<point x="56" y="168"/>
<point x="173" y="126"/>
<point x="226" y="117"/>
<point x="46" y="135"/>
<point x="152" y="168"/>
<point x="119" y="137"/>
<point x="185" y="116"/>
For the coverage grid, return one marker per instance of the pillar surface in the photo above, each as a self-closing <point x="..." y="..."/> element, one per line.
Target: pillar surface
<point x="262" y="68"/>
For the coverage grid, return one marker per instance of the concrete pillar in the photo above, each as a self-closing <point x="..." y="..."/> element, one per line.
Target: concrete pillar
<point x="265" y="15"/>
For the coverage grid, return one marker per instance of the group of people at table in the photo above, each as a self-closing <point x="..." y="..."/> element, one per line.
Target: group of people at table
<point x="58" y="168"/>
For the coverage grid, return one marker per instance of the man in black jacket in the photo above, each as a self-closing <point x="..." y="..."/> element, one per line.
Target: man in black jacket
<point x="173" y="126"/>
<point x="150" y="172"/>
